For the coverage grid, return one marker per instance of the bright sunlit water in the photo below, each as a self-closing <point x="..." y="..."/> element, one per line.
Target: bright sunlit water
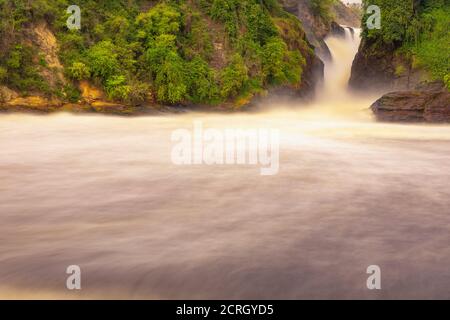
<point x="102" y="193"/>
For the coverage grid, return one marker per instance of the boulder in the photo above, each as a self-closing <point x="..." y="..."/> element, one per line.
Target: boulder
<point x="426" y="103"/>
<point x="337" y="30"/>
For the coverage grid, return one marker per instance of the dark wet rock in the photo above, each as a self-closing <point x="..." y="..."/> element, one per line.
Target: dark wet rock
<point x="316" y="30"/>
<point x="337" y="30"/>
<point x="426" y="103"/>
<point x="382" y="69"/>
<point x="346" y="16"/>
<point x="313" y="74"/>
<point x="372" y="68"/>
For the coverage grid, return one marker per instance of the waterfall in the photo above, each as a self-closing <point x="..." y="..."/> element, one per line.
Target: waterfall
<point x="338" y="69"/>
<point x="334" y="100"/>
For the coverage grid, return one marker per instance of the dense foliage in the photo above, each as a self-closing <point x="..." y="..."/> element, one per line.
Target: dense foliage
<point x="322" y="8"/>
<point x="173" y="51"/>
<point x="419" y="30"/>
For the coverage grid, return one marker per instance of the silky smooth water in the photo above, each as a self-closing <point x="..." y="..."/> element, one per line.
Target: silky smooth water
<point x="102" y="193"/>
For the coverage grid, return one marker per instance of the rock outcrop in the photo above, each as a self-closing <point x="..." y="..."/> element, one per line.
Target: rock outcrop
<point x="426" y="103"/>
<point x="89" y="92"/>
<point x="381" y="69"/>
<point x="316" y="29"/>
<point x="42" y="38"/>
<point x="372" y="69"/>
<point x="313" y="69"/>
<point x="344" y="15"/>
<point x="31" y="104"/>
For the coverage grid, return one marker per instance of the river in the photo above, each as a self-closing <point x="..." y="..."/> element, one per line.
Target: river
<point x="102" y="193"/>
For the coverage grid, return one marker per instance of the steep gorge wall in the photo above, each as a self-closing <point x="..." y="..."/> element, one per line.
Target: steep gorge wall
<point x="408" y="58"/>
<point x="198" y="35"/>
<point x="38" y="36"/>
<point x="411" y="46"/>
<point x="317" y="28"/>
<point x="380" y="70"/>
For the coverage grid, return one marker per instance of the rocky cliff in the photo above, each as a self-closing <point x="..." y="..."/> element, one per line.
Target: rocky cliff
<point x="410" y="47"/>
<point x="152" y="53"/>
<point x="384" y="69"/>
<point x="316" y="27"/>
<point x="135" y="55"/>
<point x="408" y="57"/>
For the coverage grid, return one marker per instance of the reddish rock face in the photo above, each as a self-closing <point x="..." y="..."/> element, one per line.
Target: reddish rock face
<point x="438" y="110"/>
<point x="429" y="103"/>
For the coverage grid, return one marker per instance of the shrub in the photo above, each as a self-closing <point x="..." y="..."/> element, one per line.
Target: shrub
<point x="261" y="26"/>
<point x="202" y="83"/>
<point x="234" y="77"/>
<point x="117" y="88"/>
<point x="159" y="49"/>
<point x="102" y="60"/>
<point x="79" y="71"/>
<point x="161" y="19"/>
<point x="16" y="57"/>
<point x="433" y="51"/>
<point x="226" y="11"/>
<point x="281" y="65"/>
<point x="170" y="80"/>
<point x="139" y="91"/>
<point x="71" y="93"/>
<point x="322" y="9"/>
<point x="447" y="80"/>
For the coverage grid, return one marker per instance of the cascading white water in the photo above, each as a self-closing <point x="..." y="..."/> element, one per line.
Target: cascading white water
<point x="337" y="70"/>
<point x="335" y="102"/>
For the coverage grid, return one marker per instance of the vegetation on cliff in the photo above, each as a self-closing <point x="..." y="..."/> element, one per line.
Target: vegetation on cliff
<point x="417" y="30"/>
<point x="322" y="8"/>
<point x="170" y="52"/>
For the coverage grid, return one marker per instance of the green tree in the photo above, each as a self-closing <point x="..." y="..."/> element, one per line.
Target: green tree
<point x="79" y="71"/>
<point x="202" y="82"/>
<point x="170" y="80"/>
<point x="234" y="77"/>
<point x="102" y="60"/>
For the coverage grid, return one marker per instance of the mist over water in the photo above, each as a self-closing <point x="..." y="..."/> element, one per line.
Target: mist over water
<point x="102" y="193"/>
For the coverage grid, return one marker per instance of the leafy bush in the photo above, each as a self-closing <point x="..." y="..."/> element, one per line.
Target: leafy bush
<point x="117" y="88"/>
<point x="261" y="26"/>
<point x="79" y="71"/>
<point x="433" y="50"/>
<point x="102" y="60"/>
<point x="71" y="93"/>
<point x="162" y="19"/>
<point x="170" y="80"/>
<point x="447" y="81"/>
<point x="202" y="82"/>
<point x="234" y="77"/>
<point x="322" y="9"/>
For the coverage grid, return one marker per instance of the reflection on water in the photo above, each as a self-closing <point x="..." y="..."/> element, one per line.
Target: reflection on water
<point x="101" y="192"/>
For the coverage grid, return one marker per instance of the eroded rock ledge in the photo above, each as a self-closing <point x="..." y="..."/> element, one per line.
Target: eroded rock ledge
<point x="426" y="103"/>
